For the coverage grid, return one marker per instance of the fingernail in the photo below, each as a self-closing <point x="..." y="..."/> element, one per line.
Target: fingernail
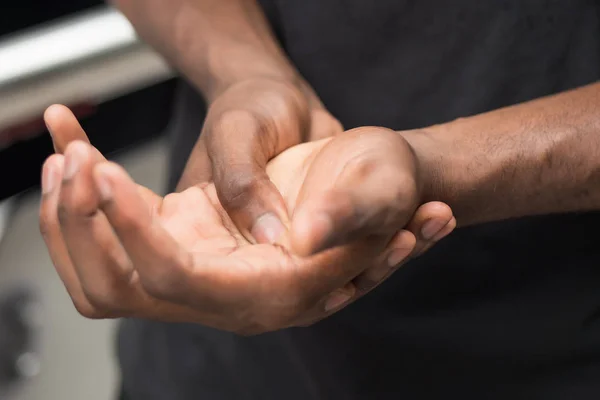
<point x="104" y="187"/>
<point x="431" y="228"/>
<point x="441" y="234"/>
<point x="397" y="256"/>
<point x="72" y="163"/>
<point x="267" y="229"/>
<point x="336" y="300"/>
<point x="49" y="178"/>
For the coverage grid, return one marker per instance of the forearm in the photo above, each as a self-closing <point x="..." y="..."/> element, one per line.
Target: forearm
<point x="534" y="158"/>
<point x="213" y="43"/>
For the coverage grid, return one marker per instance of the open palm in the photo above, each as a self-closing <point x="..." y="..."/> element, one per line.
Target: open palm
<point x="123" y="251"/>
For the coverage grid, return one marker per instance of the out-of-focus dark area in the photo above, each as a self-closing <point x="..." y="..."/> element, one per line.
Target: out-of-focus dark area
<point x="24" y="14"/>
<point x="130" y="118"/>
<point x="84" y="54"/>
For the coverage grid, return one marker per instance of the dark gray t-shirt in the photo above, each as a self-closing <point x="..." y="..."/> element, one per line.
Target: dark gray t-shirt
<point x="509" y="310"/>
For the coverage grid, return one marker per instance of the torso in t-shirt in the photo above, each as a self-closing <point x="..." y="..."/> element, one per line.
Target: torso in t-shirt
<point x="507" y="310"/>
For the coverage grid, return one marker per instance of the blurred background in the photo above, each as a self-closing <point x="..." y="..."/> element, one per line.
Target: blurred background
<point x="83" y="54"/>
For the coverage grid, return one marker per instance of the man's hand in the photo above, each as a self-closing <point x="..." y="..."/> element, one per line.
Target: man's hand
<point x="124" y="251"/>
<point x="366" y="183"/>
<point x="246" y="126"/>
<point x="259" y="104"/>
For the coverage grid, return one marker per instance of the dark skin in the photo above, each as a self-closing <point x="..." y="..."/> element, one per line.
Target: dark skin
<point x="539" y="157"/>
<point x="122" y="250"/>
<point x="534" y="158"/>
<point x="227" y="50"/>
<point x="259" y="105"/>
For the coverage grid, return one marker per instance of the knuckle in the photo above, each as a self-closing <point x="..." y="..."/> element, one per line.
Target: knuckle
<point x="239" y="190"/>
<point x="230" y="122"/>
<point x="291" y="107"/>
<point x="329" y="125"/>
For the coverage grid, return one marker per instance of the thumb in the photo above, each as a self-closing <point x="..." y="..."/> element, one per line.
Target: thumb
<point x="253" y="203"/>
<point x="64" y="129"/>
<point x="431" y="223"/>
<point x="359" y="186"/>
<point x="239" y="152"/>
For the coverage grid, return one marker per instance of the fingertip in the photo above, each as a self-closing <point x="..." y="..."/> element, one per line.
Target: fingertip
<point x="77" y="155"/>
<point x="79" y="147"/>
<point x="336" y="300"/>
<point x="52" y="171"/>
<point x="268" y="228"/>
<point x="429" y="219"/>
<point x="106" y="176"/>
<point x="56" y="116"/>
<point x="54" y="161"/>
<point x="448" y="229"/>
<point x="432" y="210"/>
<point x="63" y="126"/>
<point x="254" y="204"/>
<point x="439" y="208"/>
<point x="55" y="113"/>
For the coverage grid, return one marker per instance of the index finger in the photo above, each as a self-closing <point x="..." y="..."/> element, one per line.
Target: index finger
<point x="64" y="129"/>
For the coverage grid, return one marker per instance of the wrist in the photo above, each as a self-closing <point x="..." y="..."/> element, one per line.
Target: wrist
<point x="217" y="87"/>
<point x="454" y="170"/>
<point x="215" y="84"/>
<point x="214" y="57"/>
<point x="437" y="173"/>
